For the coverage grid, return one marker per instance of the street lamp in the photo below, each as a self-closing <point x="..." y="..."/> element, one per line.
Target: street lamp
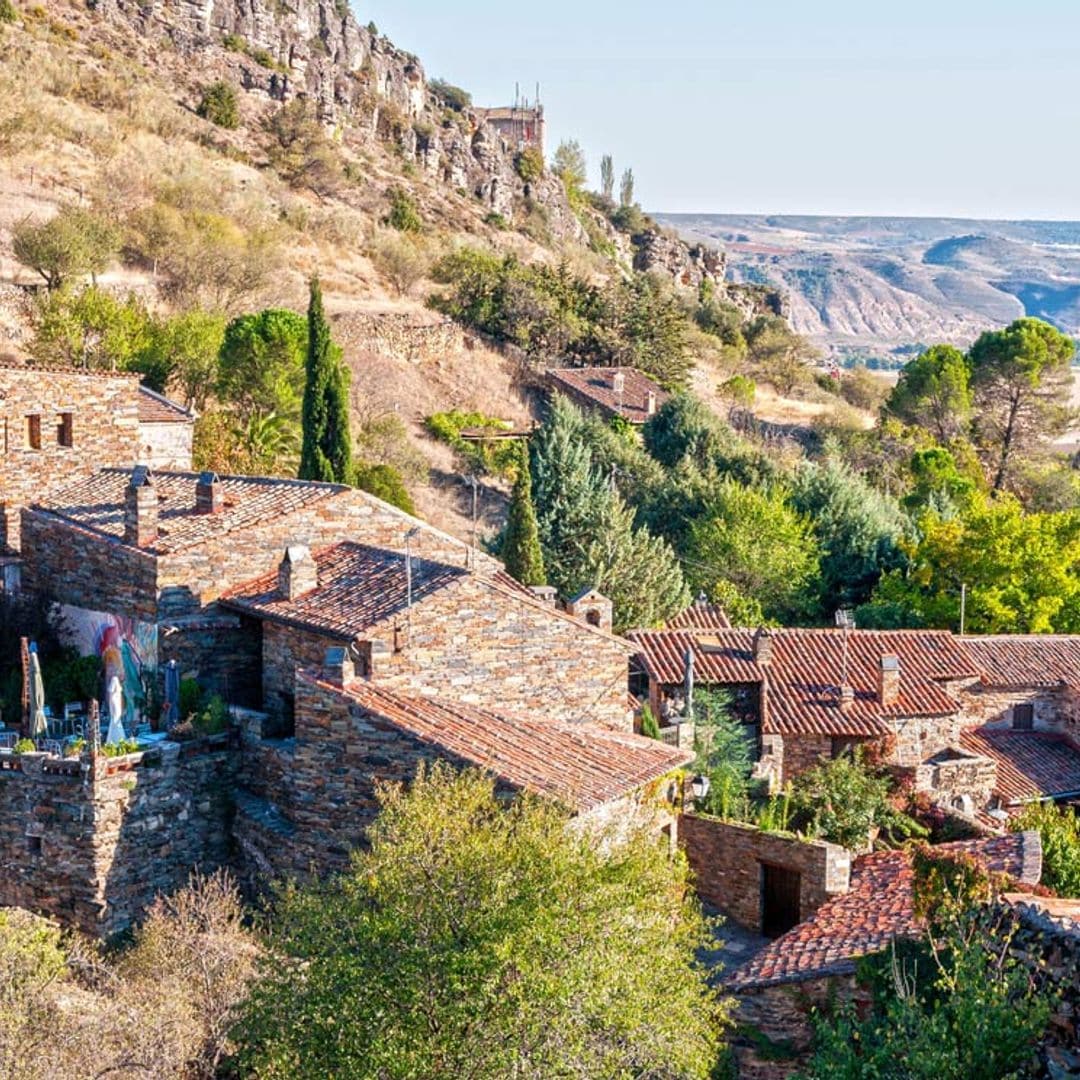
<point x="700" y="786"/>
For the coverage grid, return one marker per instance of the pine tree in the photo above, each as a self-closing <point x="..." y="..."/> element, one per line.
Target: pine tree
<point x="326" y="453"/>
<point x="521" y="544"/>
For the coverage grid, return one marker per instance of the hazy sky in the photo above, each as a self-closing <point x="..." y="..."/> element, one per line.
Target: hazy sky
<point x="935" y="107"/>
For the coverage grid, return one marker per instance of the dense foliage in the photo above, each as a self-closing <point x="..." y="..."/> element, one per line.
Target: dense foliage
<point x="521" y="540"/>
<point x="473" y="938"/>
<point x="1059" y="831"/>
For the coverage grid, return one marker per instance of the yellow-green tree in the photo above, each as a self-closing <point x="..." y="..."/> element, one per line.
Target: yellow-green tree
<point x="474" y="938"/>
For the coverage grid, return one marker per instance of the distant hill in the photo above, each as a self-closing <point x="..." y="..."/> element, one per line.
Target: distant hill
<point x="866" y="286"/>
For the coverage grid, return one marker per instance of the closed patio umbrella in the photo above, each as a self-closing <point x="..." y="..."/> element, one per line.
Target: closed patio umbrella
<point x="116" y="712"/>
<point x="172" y="694"/>
<point x="38" y="727"/>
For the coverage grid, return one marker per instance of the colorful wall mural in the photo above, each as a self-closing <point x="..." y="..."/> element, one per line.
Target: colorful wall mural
<point x="127" y="648"/>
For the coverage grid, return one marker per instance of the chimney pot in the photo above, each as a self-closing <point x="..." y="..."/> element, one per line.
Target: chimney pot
<point x="209" y="494"/>
<point x="618" y="382"/>
<point x="889" y="680"/>
<point x="847" y="695"/>
<point x="650" y="403"/>
<point x="140" y="508"/>
<point x="546" y="594"/>
<point x="338" y="667"/>
<point x="297" y="572"/>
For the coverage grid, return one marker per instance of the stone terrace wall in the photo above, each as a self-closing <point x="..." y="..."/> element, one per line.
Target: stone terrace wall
<point x="400" y="336"/>
<point x="92" y="844"/>
<point x="86" y="570"/>
<point x="726" y="858"/>
<point x="201" y="574"/>
<point x="481" y="646"/>
<point x="105" y="431"/>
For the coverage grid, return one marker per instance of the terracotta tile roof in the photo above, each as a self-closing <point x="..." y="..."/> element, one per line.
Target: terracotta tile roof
<point x="876" y="909"/>
<point x="583" y="765"/>
<point x="1030" y="764"/>
<point x="359" y="586"/>
<point x="97" y="504"/>
<point x="1027" y="660"/>
<point x="596" y="384"/>
<point x="806" y="668"/>
<point x="700" y="615"/>
<point x="155" y="408"/>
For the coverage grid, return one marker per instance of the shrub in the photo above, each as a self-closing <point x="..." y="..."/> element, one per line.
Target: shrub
<point x="190" y="697"/>
<point x="8" y="13"/>
<point x="649" y="727"/>
<point x="453" y="97"/>
<point x="119" y="749"/>
<point x="24" y="746"/>
<point x="401" y="259"/>
<point x="213" y="718"/>
<point x="220" y="105"/>
<point x="499" y="457"/>
<point x="1059" y="830"/>
<point x="403" y="214"/>
<point x="299" y="150"/>
<point x="386" y="483"/>
<point x="529" y="164"/>
<point x="496" y="221"/>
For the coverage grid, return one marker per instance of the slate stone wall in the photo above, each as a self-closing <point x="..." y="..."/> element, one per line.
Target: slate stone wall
<point x="726" y="858"/>
<point x="104" y="412"/>
<point x="92" y="843"/>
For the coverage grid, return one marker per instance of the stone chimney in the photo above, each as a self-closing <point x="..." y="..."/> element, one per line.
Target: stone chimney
<point x="763" y="647"/>
<point x="593" y="607"/>
<point x="889" y="680"/>
<point x="847" y="694"/>
<point x="140" y="508"/>
<point x="618" y="382"/>
<point x="297" y="572"/>
<point x="650" y="403"/>
<point x="209" y="494"/>
<point x="338" y="667"/>
<point x="546" y="594"/>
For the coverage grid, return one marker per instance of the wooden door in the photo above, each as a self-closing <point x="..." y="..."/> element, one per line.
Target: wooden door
<point x="779" y="899"/>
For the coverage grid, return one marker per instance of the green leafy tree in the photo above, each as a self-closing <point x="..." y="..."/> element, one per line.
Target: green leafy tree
<point x="529" y="164"/>
<point x="299" y="150"/>
<point x="648" y="328"/>
<point x="1022" y="573"/>
<point x="261" y="365"/>
<point x="569" y="164"/>
<point x="588" y="534"/>
<point x="858" y="529"/>
<point x="607" y="177"/>
<point x="92" y="328"/>
<point x="843" y="799"/>
<point x="384" y="482"/>
<point x="220" y="105"/>
<point x="682" y="427"/>
<point x="938" y="483"/>
<point x="521" y="550"/>
<point x="934" y="393"/>
<point x="190" y="343"/>
<point x="1022" y="380"/>
<point x="403" y="214"/>
<point x="626" y="189"/>
<point x="326" y="453"/>
<point x="1059" y="831"/>
<point x="725" y="752"/>
<point x="73" y="244"/>
<point x="753" y="540"/>
<point x="779" y="355"/>
<point x="475" y="938"/>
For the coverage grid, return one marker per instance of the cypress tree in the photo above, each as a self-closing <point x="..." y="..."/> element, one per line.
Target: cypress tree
<point x="521" y="544"/>
<point x="326" y="453"/>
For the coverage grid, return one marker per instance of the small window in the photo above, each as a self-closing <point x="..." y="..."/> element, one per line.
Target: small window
<point x="33" y="432"/>
<point x="65" y="430"/>
<point x="1023" y="717"/>
<point x="33" y="845"/>
<point x="592" y="617"/>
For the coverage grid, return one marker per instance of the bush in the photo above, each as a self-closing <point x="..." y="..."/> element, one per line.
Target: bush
<point x="403" y="214"/>
<point x="649" y="727"/>
<point x="453" y="97"/>
<point x="529" y="164"/>
<point x="1059" y="830"/>
<point x="190" y="698"/>
<point x="498" y="457"/>
<point x="24" y="746"/>
<point x="8" y="12"/>
<point x="401" y="259"/>
<point x="220" y="105"/>
<point x="386" y="483"/>
<point x="299" y="150"/>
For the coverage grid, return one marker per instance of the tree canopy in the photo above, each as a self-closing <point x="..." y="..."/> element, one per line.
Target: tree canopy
<point x="934" y="392"/>
<point x="474" y="938"/>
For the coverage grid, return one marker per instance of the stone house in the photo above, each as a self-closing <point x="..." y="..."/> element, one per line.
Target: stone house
<point x="434" y="629"/>
<point x="58" y="424"/>
<point x="352" y="642"/>
<point x="622" y="392"/>
<point x="307" y="799"/>
<point x="815" y="962"/>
